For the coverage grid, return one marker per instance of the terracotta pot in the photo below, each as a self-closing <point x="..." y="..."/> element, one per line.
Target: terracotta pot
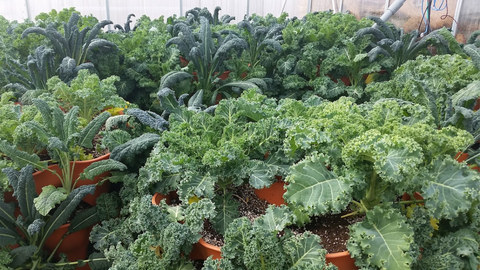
<point x="45" y="178"/>
<point x="461" y="157"/>
<point x="75" y="245"/>
<point x="8" y="197"/>
<point x="183" y="62"/>
<point x="158" y="197"/>
<point x="202" y="250"/>
<point x="477" y="105"/>
<point x="341" y="260"/>
<point x="274" y="193"/>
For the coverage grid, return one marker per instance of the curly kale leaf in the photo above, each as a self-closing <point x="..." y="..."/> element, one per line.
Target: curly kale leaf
<point x="314" y="187"/>
<point x="456" y="250"/>
<point x="451" y="189"/>
<point x="381" y="240"/>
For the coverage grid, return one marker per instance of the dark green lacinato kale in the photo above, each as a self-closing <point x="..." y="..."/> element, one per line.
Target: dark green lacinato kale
<point x="75" y="43"/>
<point x="259" y="38"/>
<point x="192" y="16"/>
<point x="62" y="137"/>
<point x="34" y="75"/>
<point x="206" y="51"/>
<point x="126" y="27"/>
<point x="392" y="42"/>
<point x="30" y="230"/>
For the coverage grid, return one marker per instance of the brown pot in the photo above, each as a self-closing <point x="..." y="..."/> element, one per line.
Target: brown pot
<point x="158" y="197"/>
<point x="274" y="193"/>
<point x="75" y="245"/>
<point x="8" y="197"/>
<point x="341" y="260"/>
<point x="202" y="250"/>
<point x="183" y="62"/>
<point x="45" y="178"/>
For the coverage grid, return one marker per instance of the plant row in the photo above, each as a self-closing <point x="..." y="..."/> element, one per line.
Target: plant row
<point x="352" y="115"/>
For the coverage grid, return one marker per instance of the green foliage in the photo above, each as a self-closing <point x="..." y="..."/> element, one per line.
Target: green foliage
<point x="74" y="43"/>
<point x="207" y="54"/>
<point x="307" y="43"/>
<point x="259" y="247"/>
<point x="431" y="82"/>
<point x="88" y="92"/>
<point x="392" y="42"/>
<point x="62" y="136"/>
<point x="139" y="64"/>
<point x="30" y="230"/>
<point x="381" y="240"/>
<point x="144" y="237"/>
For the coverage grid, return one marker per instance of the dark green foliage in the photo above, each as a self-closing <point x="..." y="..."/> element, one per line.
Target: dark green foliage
<point x="126" y="27"/>
<point x="31" y="230"/>
<point x="74" y="43"/>
<point x="207" y="51"/>
<point x="393" y="43"/>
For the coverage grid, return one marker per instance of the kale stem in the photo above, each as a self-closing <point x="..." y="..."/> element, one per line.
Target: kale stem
<point x="240" y="198"/>
<point x="371" y="190"/>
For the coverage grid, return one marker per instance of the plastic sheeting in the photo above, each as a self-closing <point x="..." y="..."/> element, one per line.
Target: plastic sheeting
<point x="409" y="16"/>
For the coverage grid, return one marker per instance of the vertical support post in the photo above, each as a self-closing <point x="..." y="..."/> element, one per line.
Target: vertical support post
<point x="248" y="9"/>
<point x="283" y="7"/>
<point x="456" y="17"/>
<point x="341" y="7"/>
<point x="107" y="5"/>
<point x="309" y="6"/>
<point x="334" y="6"/>
<point x="27" y="5"/>
<point x="181" y="9"/>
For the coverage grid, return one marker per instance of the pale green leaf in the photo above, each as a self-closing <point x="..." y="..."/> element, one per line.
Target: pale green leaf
<point x="385" y="238"/>
<point x="48" y="198"/>
<point x="450" y="188"/>
<point x="314" y="187"/>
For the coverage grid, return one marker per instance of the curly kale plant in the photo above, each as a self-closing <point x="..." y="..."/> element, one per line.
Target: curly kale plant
<point x="364" y="158"/>
<point x="307" y="43"/>
<point x="429" y="81"/>
<point x="87" y="92"/>
<point x="258" y="246"/>
<point x="147" y="236"/>
<point x="203" y="155"/>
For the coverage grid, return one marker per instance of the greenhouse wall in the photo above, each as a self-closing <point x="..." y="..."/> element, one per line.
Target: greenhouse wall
<point x="466" y="13"/>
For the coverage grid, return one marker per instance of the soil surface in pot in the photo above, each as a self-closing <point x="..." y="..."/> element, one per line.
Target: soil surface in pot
<point x="250" y="206"/>
<point x="332" y="229"/>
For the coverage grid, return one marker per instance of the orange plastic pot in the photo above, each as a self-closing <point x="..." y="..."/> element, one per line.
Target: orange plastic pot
<point x="183" y="62"/>
<point x="477" y="105"/>
<point x="158" y="197"/>
<point x="202" y="250"/>
<point x="75" y="245"/>
<point x="8" y="197"/>
<point x="45" y="178"/>
<point x="274" y="193"/>
<point x="461" y="157"/>
<point x="342" y="260"/>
